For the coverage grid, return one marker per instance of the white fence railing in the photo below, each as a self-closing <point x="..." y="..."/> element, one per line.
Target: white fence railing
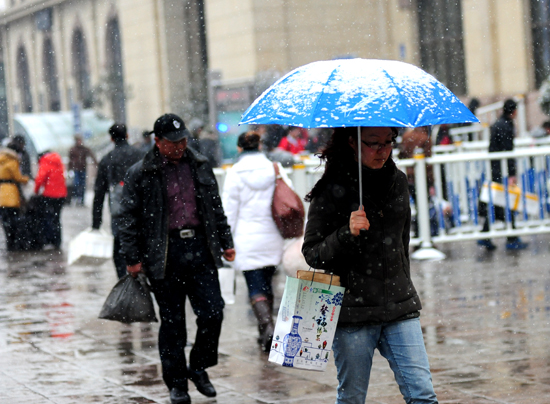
<point x="449" y="211"/>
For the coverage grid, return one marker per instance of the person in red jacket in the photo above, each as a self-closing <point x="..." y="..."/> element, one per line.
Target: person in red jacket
<point x="295" y="141"/>
<point x="50" y="182"/>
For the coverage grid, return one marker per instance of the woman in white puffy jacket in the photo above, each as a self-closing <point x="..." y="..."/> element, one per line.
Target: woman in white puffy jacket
<point x="247" y="196"/>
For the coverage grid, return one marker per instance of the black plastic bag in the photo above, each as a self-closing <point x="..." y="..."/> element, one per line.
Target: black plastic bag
<point x="130" y="301"/>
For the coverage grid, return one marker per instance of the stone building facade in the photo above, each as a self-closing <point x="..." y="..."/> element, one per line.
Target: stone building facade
<point x="133" y="60"/>
<point x="488" y="49"/>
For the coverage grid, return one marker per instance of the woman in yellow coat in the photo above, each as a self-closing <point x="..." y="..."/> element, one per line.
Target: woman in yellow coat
<point x="10" y="197"/>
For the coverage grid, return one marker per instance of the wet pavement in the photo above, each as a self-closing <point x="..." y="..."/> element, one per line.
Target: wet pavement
<point x="486" y="321"/>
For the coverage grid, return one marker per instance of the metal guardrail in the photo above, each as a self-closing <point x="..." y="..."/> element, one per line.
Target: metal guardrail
<point x="459" y="176"/>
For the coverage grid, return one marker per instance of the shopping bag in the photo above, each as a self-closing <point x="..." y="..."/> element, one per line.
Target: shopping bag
<point x="129" y="301"/>
<point x="515" y="198"/>
<point x="293" y="260"/>
<point x="307" y="321"/>
<point x="90" y="247"/>
<point x="228" y="283"/>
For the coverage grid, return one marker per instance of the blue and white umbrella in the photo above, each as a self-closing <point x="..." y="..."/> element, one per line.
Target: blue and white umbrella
<point x="357" y="92"/>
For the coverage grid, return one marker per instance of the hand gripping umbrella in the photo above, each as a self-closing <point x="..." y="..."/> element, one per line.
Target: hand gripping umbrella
<point x="356" y="93"/>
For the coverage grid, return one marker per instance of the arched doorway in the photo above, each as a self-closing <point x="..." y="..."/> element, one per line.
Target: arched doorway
<point x="115" y="71"/>
<point x="81" y="69"/>
<point x="23" y="80"/>
<point x="50" y="76"/>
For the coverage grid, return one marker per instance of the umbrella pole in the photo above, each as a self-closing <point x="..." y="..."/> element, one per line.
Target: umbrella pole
<point x="360" y="167"/>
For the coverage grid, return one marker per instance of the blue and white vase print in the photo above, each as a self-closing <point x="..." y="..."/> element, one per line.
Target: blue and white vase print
<point x="292" y="343"/>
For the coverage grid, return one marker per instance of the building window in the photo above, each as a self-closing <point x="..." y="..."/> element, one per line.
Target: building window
<point x="441" y="42"/>
<point x="115" y="77"/>
<point x="23" y="80"/>
<point x="540" y="16"/>
<point x="81" y="70"/>
<point x="50" y="77"/>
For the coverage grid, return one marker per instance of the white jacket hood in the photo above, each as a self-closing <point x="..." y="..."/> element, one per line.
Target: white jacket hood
<point x="255" y="171"/>
<point x="247" y="197"/>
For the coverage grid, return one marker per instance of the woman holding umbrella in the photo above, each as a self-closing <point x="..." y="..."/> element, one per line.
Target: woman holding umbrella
<point x="368" y="247"/>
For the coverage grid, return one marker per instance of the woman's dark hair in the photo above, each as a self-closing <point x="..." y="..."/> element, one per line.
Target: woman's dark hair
<point x="249" y="141"/>
<point x="42" y="154"/>
<point x="14" y="146"/>
<point x="338" y="153"/>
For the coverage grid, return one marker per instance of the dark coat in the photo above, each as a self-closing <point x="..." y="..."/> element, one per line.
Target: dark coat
<point x="374" y="267"/>
<point x="144" y="215"/>
<point x="502" y="139"/>
<point x="111" y="171"/>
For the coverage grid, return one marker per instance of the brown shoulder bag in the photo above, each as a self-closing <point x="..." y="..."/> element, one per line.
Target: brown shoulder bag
<point x="287" y="208"/>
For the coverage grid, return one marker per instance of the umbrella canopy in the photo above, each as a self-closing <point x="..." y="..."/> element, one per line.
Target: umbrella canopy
<point x="357" y="92"/>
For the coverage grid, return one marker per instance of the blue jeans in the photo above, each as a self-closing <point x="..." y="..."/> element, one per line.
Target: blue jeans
<point x="400" y="342"/>
<point x="259" y="281"/>
<point x="79" y="186"/>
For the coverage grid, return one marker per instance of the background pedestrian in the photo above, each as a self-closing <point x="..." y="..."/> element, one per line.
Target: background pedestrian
<point x="78" y="156"/>
<point x="110" y="181"/>
<point x="19" y="144"/>
<point x="50" y="183"/>
<point x="271" y="136"/>
<point x="295" y="140"/>
<point x="247" y="197"/>
<point x="10" y="194"/>
<point x="503" y="133"/>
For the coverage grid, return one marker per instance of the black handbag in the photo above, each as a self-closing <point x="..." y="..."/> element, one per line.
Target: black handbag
<point x="130" y="301"/>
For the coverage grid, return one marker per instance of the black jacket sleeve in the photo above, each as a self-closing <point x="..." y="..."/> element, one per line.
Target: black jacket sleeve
<point x="327" y="238"/>
<point x="129" y="219"/>
<point x="101" y="188"/>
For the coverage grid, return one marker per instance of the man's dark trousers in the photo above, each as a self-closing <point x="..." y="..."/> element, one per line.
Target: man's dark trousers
<point x="190" y="272"/>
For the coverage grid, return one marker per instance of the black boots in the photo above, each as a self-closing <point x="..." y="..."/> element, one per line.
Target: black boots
<point x="263" y="310"/>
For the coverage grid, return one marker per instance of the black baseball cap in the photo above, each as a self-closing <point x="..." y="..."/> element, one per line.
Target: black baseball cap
<point x="170" y="127"/>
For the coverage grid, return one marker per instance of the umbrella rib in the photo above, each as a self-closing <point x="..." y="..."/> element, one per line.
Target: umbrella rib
<point x="320" y="95"/>
<point x="390" y="78"/>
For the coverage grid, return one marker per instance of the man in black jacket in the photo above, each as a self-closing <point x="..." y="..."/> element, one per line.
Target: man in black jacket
<point x="110" y="179"/>
<point x="174" y="229"/>
<point x="503" y="133"/>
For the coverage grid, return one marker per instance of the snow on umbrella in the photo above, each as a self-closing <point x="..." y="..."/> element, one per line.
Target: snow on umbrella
<point x="357" y="92"/>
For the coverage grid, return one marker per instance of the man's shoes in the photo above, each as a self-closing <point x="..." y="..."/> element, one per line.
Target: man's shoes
<point x="516" y="245"/>
<point x="178" y="396"/>
<point x="488" y="244"/>
<point x="200" y="378"/>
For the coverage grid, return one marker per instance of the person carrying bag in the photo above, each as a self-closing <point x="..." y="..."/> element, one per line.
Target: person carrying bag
<point x="248" y="195"/>
<point x="368" y="247"/>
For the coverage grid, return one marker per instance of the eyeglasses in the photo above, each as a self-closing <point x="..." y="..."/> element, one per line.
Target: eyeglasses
<point x="378" y="146"/>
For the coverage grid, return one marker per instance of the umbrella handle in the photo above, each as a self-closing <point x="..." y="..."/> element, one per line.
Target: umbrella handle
<point x="360" y="166"/>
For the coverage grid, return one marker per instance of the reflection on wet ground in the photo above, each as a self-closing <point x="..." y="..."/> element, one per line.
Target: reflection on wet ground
<point x="486" y="321"/>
